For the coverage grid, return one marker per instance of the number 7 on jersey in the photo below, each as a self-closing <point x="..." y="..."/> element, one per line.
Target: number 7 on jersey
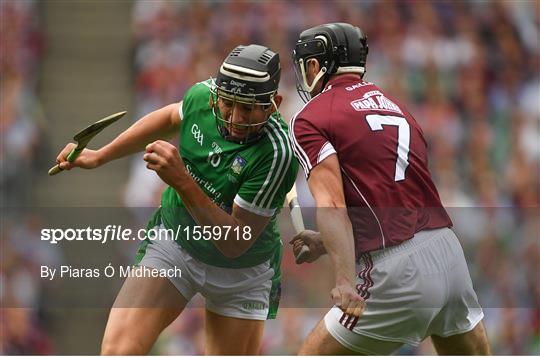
<point x="376" y="123"/>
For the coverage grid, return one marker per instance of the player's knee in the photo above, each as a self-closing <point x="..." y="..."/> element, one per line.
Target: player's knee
<point x="118" y="343"/>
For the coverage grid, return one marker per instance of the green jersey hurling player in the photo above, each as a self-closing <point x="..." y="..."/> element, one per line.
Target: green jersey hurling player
<point x="226" y="184"/>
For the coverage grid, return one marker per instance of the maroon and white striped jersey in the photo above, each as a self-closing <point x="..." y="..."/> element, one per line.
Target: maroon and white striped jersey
<point x="383" y="158"/>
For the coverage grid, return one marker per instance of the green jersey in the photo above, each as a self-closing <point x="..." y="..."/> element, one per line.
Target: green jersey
<point x="255" y="176"/>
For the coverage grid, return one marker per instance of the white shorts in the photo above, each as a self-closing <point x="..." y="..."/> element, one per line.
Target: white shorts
<point x="242" y="293"/>
<point x="419" y="288"/>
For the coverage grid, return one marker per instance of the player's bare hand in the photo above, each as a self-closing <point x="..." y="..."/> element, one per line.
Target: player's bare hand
<point x="87" y="159"/>
<point x="313" y="241"/>
<point x="163" y="158"/>
<point x="348" y="300"/>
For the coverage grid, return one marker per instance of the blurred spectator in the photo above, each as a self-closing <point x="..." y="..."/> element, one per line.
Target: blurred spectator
<point x="24" y="327"/>
<point x="21" y="119"/>
<point x="21" y="131"/>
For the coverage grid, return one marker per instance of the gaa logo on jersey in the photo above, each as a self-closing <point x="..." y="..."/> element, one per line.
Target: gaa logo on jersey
<point x="197" y="134"/>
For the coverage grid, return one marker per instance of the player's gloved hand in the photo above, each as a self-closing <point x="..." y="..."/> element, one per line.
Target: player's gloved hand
<point x="163" y="158"/>
<point x="87" y="159"/>
<point x="314" y="242"/>
<point x="348" y="300"/>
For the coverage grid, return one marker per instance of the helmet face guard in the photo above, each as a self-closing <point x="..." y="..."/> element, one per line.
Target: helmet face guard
<point x="303" y="52"/>
<point x="252" y="129"/>
<point x="338" y="47"/>
<point x="245" y="87"/>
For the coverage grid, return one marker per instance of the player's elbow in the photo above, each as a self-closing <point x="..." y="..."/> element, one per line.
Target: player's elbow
<point x="329" y="198"/>
<point x="174" y="118"/>
<point x="330" y="202"/>
<point x="235" y="247"/>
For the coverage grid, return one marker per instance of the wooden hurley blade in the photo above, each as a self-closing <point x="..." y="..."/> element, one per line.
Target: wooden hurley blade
<point x="84" y="136"/>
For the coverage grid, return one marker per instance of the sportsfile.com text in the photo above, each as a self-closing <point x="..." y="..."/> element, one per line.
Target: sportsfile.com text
<point x="119" y="233"/>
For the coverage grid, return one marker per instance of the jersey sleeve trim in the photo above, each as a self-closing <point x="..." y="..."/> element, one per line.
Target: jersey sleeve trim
<point x="281" y="163"/>
<point x="180" y="110"/>
<point x="299" y="152"/>
<point x="265" y="212"/>
<point x="326" y="150"/>
<point x="209" y="83"/>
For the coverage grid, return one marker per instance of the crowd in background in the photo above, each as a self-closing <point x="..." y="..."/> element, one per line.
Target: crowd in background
<point x="22" y="128"/>
<point x="22" y="121"/>
<point x="468" y="71"/>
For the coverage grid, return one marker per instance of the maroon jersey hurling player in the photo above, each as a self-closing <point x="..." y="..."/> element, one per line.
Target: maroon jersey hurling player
<point x="400" y="272"/>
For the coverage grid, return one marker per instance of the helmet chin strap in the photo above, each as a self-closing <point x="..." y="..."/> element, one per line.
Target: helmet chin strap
<point x="319" y="75"/>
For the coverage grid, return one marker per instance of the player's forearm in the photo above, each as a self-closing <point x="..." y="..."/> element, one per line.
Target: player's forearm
<point x="159" y="124"/>
<point x="337" y="237"/>
<point x="207" y="214"/>
<point x="319" y="245"/>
